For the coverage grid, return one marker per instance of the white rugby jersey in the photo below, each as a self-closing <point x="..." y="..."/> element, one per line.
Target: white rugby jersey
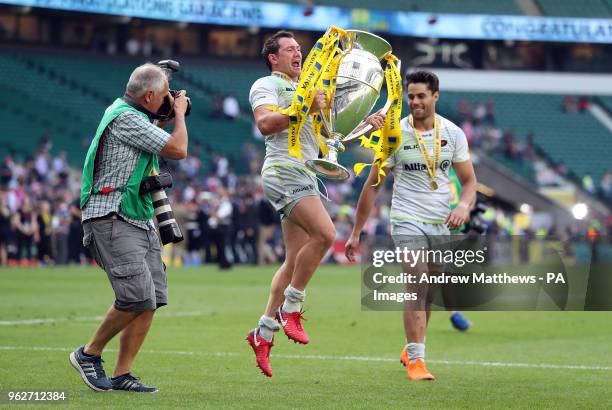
<point x="413" y="197"/>
<point x="277" y="91"/>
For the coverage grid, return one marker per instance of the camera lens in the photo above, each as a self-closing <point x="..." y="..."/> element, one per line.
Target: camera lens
<point x="169" y="230"/>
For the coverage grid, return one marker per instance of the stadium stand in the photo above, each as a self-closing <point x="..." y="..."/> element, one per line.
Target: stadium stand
<point x="439" y="6"/>
<point x="522" y="169"/>
<point x="559" y="135"/>
<point x="234" y="80"/>
<point x="72" y="91"/>
<point x="584" y="8"/>
<point x="76" y="89"/>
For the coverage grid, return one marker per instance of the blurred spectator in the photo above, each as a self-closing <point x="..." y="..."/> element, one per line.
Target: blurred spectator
<point x="545" y="175"/>
<point x="480" y="112"/>
<point x="195" y="227"/>
<point x="189" y="193"/>
<point x="111" y="47"/>
<point x="217" y="106"/>
<point x="250" y="158"/>
<point x="231" y="109"/>
<point x="594" y="230"/>
<point x="44" y="143"/>
<point x="490" y="112"/>
<point x="45" y="229"/>
<point x="61" y="227"/>
<point x="268" y="221"/>
<point x="6" y="171"/>
<point x="464" y="108"/>
<point x="5" y="228"/>
<point x="132" y="46"/>
<point x="583" y="104"/>
<point x="190" y="166"/>
<point x="76" y="251"/>
<point x="219" y="222"/>
<point x="26" y="229"/>
<point x="244" y="230"/>
<point x="588" y="184"/>
<point x="606" y="185"/>
<point x="530" y="149"/>
<point x="468" y="130"/>
<point x="41" y="164"/>
<point x="230" y="181"/>
<point x="59" y="164"/>
<point x="569" y="105"/>
<point x="220" y="167"/>
<point x="513" y="149"/>
<point x="560" y="168"/>
<point x="148" y="46"/>
<point x="490" y="137"/>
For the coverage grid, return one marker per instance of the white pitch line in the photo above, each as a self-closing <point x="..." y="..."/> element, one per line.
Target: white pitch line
<point x="38" y="321"/>
<point x="336" y="358"/>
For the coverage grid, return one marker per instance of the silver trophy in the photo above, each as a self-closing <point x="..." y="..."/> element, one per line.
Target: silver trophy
<point x="358" y="83"/>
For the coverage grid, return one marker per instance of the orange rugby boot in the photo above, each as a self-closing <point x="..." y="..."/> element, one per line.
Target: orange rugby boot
<point x="418" y="371"/>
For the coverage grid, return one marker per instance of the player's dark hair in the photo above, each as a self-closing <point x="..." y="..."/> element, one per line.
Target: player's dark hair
<point x="271" y="45"/>
<point x="425" y="77"/>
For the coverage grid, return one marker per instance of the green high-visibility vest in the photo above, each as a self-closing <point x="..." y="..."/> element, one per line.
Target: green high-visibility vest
<point x="132" y="205"/>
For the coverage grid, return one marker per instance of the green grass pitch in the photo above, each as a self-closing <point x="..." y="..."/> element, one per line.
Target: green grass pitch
<point x="197" y="356"/>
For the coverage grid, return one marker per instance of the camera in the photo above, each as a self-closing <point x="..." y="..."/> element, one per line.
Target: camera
<point x="169" y="230"/>
<point x="476" y="224"/>
<point x="166" y="112"/>
<point x="155" y="183"/>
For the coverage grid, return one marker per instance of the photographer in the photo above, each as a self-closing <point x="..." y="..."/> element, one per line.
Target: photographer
<point x="117" y="220"/>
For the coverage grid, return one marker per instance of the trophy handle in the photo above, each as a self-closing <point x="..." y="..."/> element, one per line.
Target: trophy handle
<point x="354" y="135"/>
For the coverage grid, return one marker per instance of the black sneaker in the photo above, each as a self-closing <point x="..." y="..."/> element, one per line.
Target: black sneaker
<point x="91" y="370"/>
<point x="128" y="382"/>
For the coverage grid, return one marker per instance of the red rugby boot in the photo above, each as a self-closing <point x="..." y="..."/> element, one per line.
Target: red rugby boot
<point x="292" y="325"/>
<point x="262" y="348"/>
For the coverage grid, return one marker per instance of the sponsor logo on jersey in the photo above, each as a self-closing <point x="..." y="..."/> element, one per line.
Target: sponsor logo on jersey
<point x="415" y="166"/>
<point x="419" y="166"/>
<point x="443" y="143"/>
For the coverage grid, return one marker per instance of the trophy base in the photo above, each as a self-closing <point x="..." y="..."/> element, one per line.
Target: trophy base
<point x="328" y="169"/>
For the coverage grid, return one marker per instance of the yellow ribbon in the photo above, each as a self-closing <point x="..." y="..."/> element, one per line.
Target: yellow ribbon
<point x="327" y="83"/>
<point x="317" y="72"/>
<point x="430" y="163"/>
<point x="386" y="140"/>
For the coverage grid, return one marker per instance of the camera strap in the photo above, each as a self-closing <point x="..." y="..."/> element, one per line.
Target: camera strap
<point x="164" y="164"/>
<point x="130" y="101"/>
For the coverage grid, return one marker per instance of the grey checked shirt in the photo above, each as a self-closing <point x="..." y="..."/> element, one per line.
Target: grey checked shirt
<point x="118" y="152"/>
